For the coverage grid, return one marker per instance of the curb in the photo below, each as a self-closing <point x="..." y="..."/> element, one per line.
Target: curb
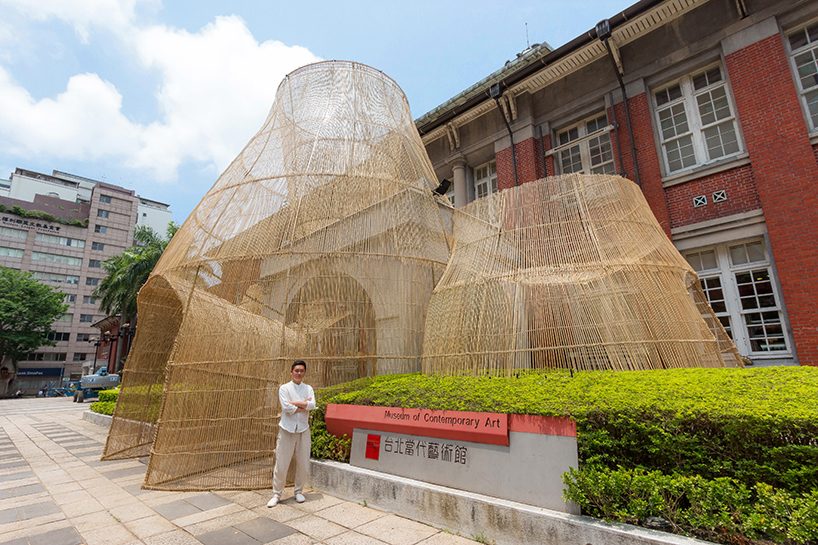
<point x="480" y="517"/>
<point x="98" y="419"/>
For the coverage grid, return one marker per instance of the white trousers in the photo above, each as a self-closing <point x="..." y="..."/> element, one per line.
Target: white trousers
<point x="288" y="444"/>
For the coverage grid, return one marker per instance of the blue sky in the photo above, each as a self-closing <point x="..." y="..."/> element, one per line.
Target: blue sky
<point x="160" y="96"/>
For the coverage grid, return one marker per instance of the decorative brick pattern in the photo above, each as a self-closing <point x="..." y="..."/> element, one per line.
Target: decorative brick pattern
<point x="530" y="161"/>
<point x="741" y="196"/>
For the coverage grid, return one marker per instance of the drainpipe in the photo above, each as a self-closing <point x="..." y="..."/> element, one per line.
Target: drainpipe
<point x="603" y="32"/>
<point x="495" y="92"/>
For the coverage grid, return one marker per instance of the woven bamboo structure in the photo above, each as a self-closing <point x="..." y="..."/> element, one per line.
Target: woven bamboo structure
<point x="321" y="241"/>
<point x="569" y="272"/>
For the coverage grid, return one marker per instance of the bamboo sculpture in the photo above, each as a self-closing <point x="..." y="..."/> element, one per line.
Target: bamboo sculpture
<point x="324" y="241"/>
<point x="569" y="272"/>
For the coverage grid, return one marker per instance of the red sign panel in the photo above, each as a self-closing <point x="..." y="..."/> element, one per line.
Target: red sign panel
<point x="373" y="446"/>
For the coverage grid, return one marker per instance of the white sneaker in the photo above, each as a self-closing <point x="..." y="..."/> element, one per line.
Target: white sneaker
<point x="300" y="498"/>
<point x="273" y="501"/>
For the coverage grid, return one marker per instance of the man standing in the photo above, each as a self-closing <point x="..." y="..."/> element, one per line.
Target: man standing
<point x="296" y="399"/>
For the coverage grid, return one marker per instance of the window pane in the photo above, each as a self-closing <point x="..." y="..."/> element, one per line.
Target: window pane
<point x="680" y="153"/>
<point x="713" y="106"/>
<point x="709" y="261"/>
<point x="798" y="39"/>
<point x="570" y="160"/>
<point x="807" y="69"/>
<point x="673" y="121"/>
<point x="812" y="107"/>
<point x="600" y="150"/>
<point x="755" y="251"/>
<point x="721" y="140"/>
<point x="738" y="256"/>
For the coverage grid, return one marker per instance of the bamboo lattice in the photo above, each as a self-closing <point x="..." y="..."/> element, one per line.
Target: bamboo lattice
<point x="323" y="241"/>
<point x="568" y="272"/>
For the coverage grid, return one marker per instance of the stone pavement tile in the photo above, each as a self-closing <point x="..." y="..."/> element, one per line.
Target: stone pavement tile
<point x="18" y="483"/>
<point x="18" y="541"/>
<point x="17" y="476"/>
<point x="112" y="499"/>
<point x="176" y="537"/>
<point x="115" y="534"/>
<point x="264" y="530"/>
<point x="353" y="538"/>
<point x="24" y="500"/>
<point x="208" y="501"/>
<point x="13" y="463"/>
<point x="295" y="539"/>
<point x="281" y="512"/>
<point x="21" y="491"/>
<point x="397" y="530"/>
<point x="201" y="516"/>
<point x="445" y="538"/>
<point x="250" y="500"/>
<point x="77" y="496"/>
<point x="35" y="526"/>
<point x="220" y="522"/>
<point x="93" y="521"/>
<point x="176" y="509"/>
<point x="37" y="510"/>
<point x="82" y="508"/>
<point x="317" y="501"/>
<point x="227" y="536"/>
<point x="124" y="472"/>
<point x="316" y="527"/>
<point x="131" y="511"/>
<point x="149" y="526"/>
<point x="350" y="514"/>
<point x="63" y="536"/>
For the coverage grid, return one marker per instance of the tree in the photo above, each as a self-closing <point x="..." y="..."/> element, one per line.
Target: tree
<point x="27" y="310"/>
<point x="127" y="272"/>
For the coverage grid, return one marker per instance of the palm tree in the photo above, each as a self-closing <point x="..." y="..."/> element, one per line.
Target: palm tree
<point x="128" y="271"/>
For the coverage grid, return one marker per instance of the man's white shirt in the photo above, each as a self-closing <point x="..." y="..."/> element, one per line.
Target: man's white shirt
<point x="292" y="421"/>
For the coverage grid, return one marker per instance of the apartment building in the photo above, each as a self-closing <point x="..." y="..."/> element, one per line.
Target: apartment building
<point x="711" y="107"/>
<point x="88" y="222"/>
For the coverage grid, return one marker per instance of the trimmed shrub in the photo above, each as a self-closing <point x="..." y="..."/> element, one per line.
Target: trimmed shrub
<point x="109" y="395"/>
<point x="103" y="407"/>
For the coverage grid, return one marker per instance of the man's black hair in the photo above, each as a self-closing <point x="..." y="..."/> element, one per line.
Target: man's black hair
<point x="298" y="362"/>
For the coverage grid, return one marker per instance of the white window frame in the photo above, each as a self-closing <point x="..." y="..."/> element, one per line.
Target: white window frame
<point x="695" y="124"/>
<point x="726" y="271"/>
<point x="583" y="142"/>
<point x="485" y="179"/>
<point x="810" y="47"/>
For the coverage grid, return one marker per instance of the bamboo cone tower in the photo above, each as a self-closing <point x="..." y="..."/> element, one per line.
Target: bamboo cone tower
<point x="568" y="272"/>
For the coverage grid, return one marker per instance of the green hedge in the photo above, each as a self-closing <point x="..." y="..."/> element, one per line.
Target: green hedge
<point x="691" y="426"/>
<point x="109" y="395"/>
<point x="103" y="407"/>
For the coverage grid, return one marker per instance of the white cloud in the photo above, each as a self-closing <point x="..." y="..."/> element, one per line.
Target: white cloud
<point x="216" y="87"/>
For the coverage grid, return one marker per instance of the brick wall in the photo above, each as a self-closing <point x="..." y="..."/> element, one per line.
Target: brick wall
<point x="741" y="196"/>
<point x="786" y="175"/>
<point x="529" y="163"/>
<point x="649" y="172"/>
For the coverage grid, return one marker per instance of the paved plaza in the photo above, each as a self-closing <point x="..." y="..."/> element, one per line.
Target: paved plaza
<point x="55" y="491"/>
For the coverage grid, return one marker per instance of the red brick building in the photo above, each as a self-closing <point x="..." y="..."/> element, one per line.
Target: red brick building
<point x="711" y="106"/>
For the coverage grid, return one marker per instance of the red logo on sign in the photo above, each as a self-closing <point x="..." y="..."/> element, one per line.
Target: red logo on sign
<point x="373" y="446"/>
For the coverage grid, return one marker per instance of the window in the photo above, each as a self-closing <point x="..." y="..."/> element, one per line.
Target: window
<point x="97" y="246"/>
<point x="56" y="278"/>
<point x="102" y="213"/>
<point x="14" y="234"/>
<point x="46" y="356"/>
<point x="739" y="285"/>
<point x="696" y="121"/>
<point x="59" y="241"/>
<point x="94" y="263"/>
<point x="80" y="356"/>
<point x="91" y="281"/>
<point x="56" y="259"/>
<point x="86" y="318"/>
<point x="67" y="317"/>
<point x="89" y="300"/>
<point x="105" y="199"/>
<point x="70" y="298"/>
<point x="11" y="252"/>
<point x="100" y="229"/>
<point x="83" y="337"/>
<point x="804" y="47"/>
<point x="59" y="336"/>
<point x="485" y="179"/>
<point x="585" y="147"/>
